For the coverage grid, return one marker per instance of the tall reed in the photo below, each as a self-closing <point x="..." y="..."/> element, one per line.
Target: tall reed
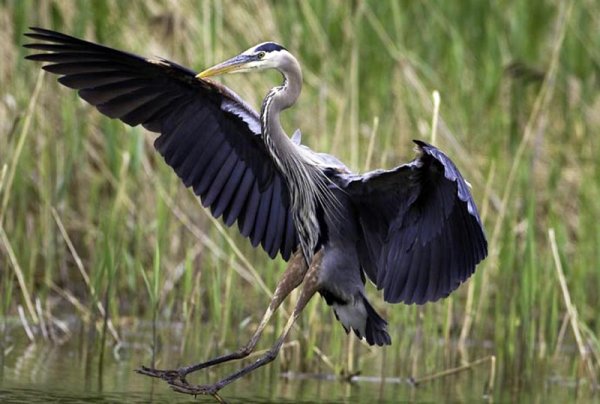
<point x="519" y="114"/>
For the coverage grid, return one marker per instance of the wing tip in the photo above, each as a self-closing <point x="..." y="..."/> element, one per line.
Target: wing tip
<point x="34" y="30"/>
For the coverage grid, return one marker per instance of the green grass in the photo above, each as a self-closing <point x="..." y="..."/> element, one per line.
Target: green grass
<point x="520" y="115"/>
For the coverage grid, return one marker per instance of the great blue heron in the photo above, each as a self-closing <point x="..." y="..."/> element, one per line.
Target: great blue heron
<point x="414" y="230"/>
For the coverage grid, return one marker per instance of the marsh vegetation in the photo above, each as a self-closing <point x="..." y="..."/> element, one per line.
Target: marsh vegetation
<point x="98" y="238"/>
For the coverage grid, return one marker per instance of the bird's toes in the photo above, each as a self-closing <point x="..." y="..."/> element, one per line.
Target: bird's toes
<point x="184" y="387"/>
<point x="167" y="375"/>
<point x="146" y="371"/>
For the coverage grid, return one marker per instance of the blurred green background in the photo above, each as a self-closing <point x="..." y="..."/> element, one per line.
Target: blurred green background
<point x="93" y="221"/>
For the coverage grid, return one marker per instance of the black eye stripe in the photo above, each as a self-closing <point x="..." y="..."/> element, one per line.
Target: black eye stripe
<point x="270" y="47"/>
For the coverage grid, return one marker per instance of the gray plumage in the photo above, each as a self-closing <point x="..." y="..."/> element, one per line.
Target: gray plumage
<point x="414" y="230"/>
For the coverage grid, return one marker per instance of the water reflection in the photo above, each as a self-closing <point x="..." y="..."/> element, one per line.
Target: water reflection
<point x="45" y="373"/>
<point x="73" y="373"/>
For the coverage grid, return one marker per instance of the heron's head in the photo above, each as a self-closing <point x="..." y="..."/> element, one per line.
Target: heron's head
<point x="267" y="55"/>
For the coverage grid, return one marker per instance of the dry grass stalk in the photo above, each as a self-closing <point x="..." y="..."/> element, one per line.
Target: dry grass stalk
<point x="449" y="372"/>
<point x="84" y="275"/>
<point x="571" y="309"/>
<point x="19" y="274"/>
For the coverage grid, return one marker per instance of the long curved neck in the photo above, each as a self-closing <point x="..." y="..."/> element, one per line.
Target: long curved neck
<point x="280" y="98"/>
<point x="281" y="148"/>
<point x="301" y="177"/>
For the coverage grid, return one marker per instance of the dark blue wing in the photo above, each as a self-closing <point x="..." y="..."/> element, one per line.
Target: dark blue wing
<point x="208" y="135"/>
<point x="422" y="233"/>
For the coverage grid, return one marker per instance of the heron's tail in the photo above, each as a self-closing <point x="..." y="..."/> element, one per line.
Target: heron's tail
<point x="359" y="316"/>
<point x="376" y="327"/>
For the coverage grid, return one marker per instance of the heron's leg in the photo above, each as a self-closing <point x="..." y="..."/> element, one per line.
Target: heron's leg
<point x="292" y="277"/>
<point x="309" y="289"/>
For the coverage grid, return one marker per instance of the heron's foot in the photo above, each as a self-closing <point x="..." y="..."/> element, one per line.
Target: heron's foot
<point x="172" y="375"/>
<point x="195" y="390"/>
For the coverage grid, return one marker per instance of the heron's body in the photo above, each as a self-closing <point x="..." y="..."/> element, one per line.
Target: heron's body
<point x="414" y="230"/>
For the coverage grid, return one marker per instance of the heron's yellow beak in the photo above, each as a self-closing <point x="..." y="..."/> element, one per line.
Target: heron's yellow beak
<point x="238" y="63"/>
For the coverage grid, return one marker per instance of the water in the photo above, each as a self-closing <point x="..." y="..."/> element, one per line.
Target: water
<point x="43" y="372"/>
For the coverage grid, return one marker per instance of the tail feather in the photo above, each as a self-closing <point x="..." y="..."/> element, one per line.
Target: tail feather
<point x="359" y="316"/>
<point x="376" y="327"/>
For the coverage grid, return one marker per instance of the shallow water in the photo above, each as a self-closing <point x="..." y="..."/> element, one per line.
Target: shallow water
<point x="43" y="372"/>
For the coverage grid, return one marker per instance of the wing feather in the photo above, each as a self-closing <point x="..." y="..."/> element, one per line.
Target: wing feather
<point x="213" y="167"/>
<point x="238" y="202"/>
<point x="250" y="209"/>
<point x="422" y="235"/>
<point x="208" y="135"/>
<point x="262" y="216"/>
<point x="269" y="241"/>
<point x="232" y="183"/>
<point x="219" y="180"/>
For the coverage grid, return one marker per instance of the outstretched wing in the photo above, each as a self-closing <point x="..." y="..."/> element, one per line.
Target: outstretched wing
<point x="208" y="135"/>
<point x="422" y="233"/>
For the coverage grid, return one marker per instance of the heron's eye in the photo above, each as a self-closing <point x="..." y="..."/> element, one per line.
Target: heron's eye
<point x="261" y="55"/>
